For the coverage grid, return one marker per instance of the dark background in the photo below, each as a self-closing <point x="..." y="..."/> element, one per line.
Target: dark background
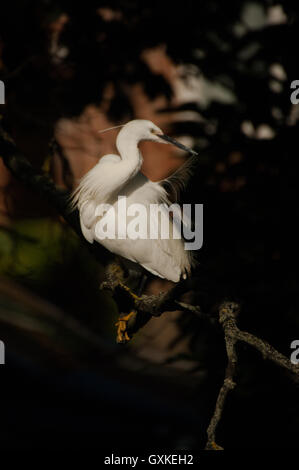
<point x="63" y="388"/>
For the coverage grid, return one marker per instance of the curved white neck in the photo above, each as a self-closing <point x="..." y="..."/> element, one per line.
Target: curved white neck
<point x="127" y="146"/>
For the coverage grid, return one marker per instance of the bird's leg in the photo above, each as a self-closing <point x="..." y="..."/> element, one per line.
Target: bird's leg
<point x="115" y="280"/>
<point x="140" y="288"/>
<point x="142" y="284"/>
<point x="130" y="292"/>
<point x="122" y="323"/>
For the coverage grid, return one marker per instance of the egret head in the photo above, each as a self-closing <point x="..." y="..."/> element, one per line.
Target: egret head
<point x="142" y="129"/>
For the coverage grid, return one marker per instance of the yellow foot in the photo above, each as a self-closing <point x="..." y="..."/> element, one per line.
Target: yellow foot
<point x="122" y="324"/>
<point x="216" y="446"/>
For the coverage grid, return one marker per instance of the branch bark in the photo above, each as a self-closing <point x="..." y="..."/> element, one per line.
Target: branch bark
<point x="228" y="314"/>
<point x="149" y="306"/>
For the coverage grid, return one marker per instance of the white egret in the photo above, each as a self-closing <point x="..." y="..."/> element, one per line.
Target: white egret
<point x="119" y="175"/>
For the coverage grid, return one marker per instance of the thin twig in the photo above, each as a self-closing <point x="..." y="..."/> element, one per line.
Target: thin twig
<point x="267" y="351"/>
<point x="228" y="313"/>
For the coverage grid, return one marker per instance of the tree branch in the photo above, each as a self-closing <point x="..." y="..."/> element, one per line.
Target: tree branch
<point x="147" y="306"/>
<point x="228" y="313"/>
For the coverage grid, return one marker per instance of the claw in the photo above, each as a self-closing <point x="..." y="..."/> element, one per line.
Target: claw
<point x="122" y="324"/>
<point x="216" y="446"/>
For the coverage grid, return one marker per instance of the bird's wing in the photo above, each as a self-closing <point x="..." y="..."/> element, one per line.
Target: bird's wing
<point x="87" y="219"/>
<point x="91" y="181"/>
<point x="178" y="181"/>
<point x="161" y="263"/>
<point x="87" y="213"/>
<point x="164" y="257"/>
<point x="150" y="254"/>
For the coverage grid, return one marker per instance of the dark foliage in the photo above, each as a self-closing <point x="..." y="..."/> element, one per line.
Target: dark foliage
<point x="244" y="183"/>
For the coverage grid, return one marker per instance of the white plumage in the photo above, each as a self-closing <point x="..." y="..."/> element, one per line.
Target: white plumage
<point x="115" y="176"/>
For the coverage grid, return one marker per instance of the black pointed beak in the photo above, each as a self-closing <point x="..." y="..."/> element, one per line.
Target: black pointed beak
<point x="177" y="144"/>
